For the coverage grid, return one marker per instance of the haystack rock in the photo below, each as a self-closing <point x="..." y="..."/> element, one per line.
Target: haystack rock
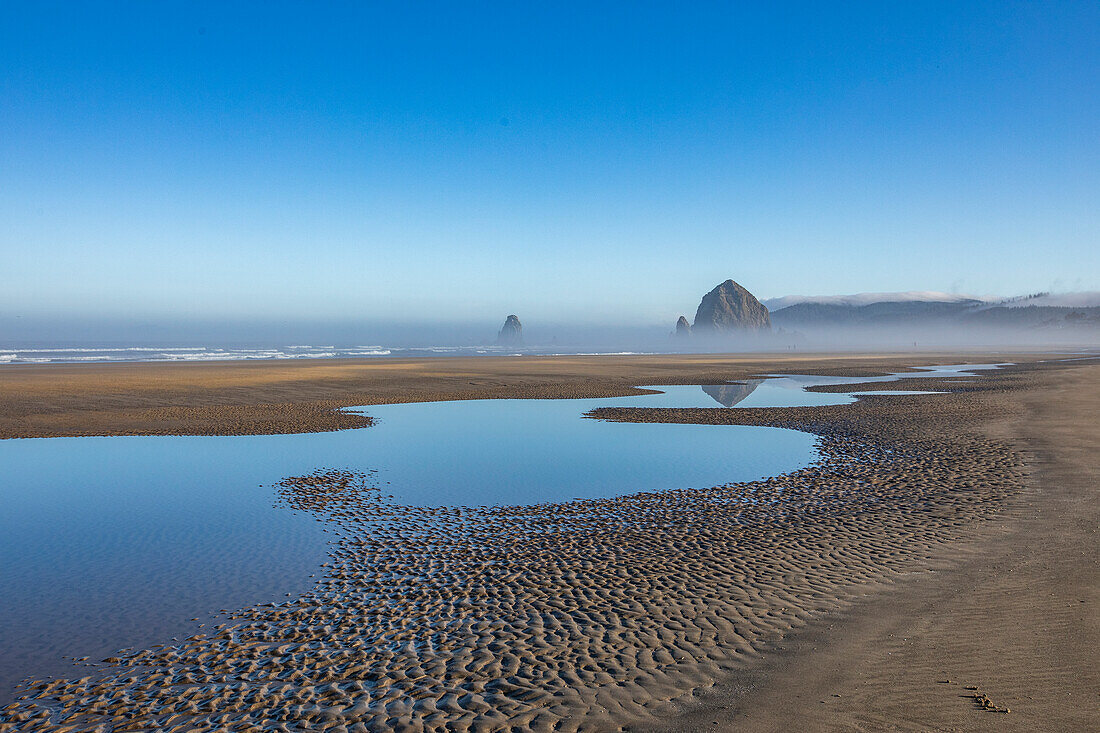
<point x="511" y="333"/>
<point x="683" y="328"/>
<point x="729" y="308"/>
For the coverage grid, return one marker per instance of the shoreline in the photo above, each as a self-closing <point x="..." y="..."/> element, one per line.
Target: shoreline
<point x="281" y="397"/>
<point x="615" y="563"/>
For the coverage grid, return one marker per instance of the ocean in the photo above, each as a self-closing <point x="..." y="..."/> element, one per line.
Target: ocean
<point x="71" y="354"/>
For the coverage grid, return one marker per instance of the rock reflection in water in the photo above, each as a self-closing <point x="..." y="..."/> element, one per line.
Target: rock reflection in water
<point x="729" y="395"/>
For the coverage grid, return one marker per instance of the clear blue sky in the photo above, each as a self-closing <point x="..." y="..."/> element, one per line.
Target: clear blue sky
<point x="569" y="162"/>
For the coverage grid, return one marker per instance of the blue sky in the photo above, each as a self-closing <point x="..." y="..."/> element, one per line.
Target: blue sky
<point x="572" y="163"/>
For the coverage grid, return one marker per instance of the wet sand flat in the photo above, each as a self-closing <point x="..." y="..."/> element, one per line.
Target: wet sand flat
<point x="722" y="607"/>
<point x="1009" y="615"/>
<point x="254" y="398"/>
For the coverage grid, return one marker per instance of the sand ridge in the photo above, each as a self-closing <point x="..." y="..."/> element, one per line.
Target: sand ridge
<point x="593" y="615"/>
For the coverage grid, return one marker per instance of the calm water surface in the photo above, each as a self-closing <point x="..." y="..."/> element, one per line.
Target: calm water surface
<point x="115" y="542"/>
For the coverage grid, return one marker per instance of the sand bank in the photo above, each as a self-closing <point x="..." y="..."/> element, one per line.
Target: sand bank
<point x="656" y="609"/>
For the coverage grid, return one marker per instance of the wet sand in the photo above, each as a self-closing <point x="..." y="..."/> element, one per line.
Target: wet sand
<point x="257" y="398"/>
<point x="1009" y="616"/>
<point x="925" y="543"/>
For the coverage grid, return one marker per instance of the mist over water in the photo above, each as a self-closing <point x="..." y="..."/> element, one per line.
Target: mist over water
<point x="38" y="341"/>
<point x="898" y="338"/>
<point x="826" y="341"/>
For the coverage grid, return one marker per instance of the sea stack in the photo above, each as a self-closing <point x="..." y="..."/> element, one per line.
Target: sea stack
<point x="511" y="333"/>
<point x="728" y="309"/>
<point x="683" y="328"/>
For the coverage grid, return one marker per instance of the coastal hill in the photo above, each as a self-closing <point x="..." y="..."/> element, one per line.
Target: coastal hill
<point x="937" y="310"/>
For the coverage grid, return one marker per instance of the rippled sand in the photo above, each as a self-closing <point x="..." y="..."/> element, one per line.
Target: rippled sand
<point x="583" y="615"/>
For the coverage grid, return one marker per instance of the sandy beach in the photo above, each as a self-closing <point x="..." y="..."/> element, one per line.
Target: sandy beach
<point x="936" y="569"/>
<point x="493" y="369"/>
<point x="256" y="398"/>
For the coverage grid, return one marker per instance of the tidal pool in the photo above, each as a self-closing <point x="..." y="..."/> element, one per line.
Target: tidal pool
<point x="115" y="542"/>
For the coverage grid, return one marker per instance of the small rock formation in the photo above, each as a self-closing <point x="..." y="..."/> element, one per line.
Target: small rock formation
<point x="511" y="333"/>
<point x="683" y="328"/>
<point x="729" y="308"/>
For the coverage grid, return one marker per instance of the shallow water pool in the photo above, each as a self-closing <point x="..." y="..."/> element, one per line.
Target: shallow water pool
<point x="114" y="542"/>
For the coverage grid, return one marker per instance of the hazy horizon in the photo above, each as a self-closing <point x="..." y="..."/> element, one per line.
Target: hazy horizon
<point x="66" y="341"/>
<point x="363" y="333"/>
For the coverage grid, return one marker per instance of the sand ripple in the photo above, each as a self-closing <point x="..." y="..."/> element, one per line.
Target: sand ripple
<point x="584" y="615"/>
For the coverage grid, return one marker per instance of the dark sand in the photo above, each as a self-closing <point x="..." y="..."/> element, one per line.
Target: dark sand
<point x="945" y="537"/>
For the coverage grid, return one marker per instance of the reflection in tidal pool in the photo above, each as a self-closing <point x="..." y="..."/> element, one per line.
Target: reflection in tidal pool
<point x="114" y="542"/>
